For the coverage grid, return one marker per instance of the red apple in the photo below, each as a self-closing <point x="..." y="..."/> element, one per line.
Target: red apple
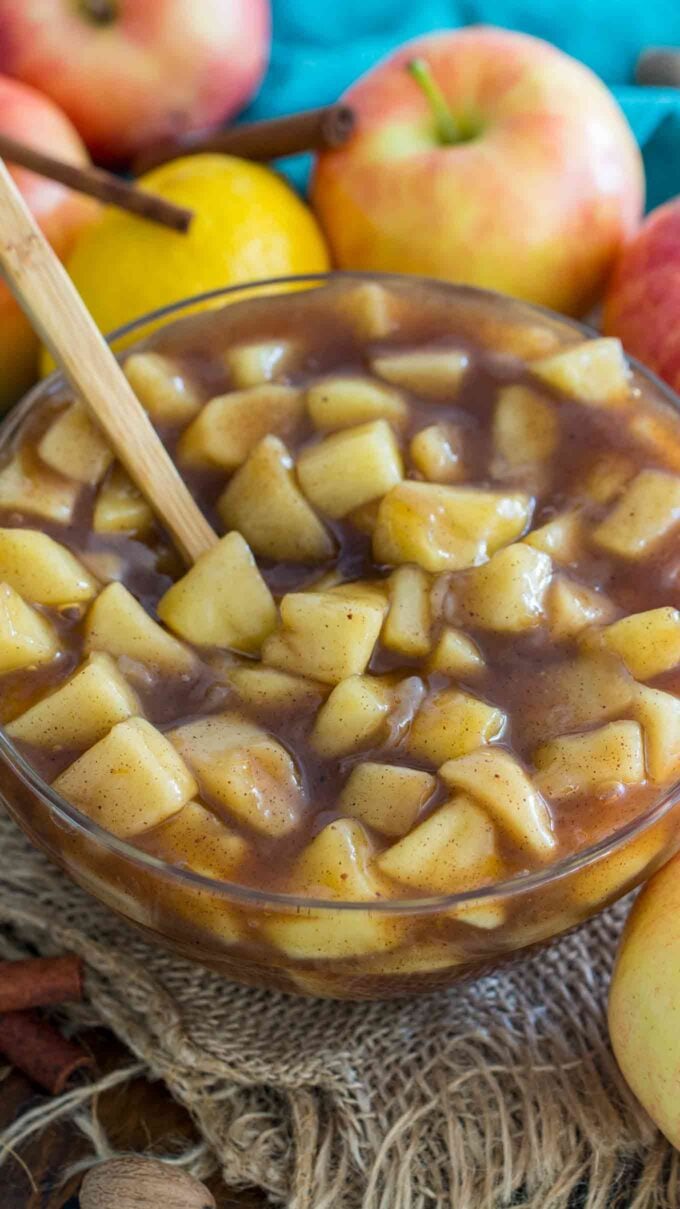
<point x="504" y="163"/>
<point x="642" y="306"/>
<point x="128" y="72"/>
<point x="35" y="120"/>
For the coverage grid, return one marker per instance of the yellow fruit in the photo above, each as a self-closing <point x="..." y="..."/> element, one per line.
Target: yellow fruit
<point x="248" y="224"/>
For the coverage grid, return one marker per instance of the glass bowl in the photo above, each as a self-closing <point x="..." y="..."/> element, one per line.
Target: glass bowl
<point x="425" y="942"/>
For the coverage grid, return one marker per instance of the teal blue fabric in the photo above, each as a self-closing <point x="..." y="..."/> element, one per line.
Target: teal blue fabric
<point x="320" y="48"/>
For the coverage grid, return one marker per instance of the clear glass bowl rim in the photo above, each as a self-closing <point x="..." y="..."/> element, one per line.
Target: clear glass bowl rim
<point x="72" y="819"/>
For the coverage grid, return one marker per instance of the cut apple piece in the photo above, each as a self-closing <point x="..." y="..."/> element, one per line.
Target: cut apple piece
<point x="265" y="504"/>
<point x="230" y="426"/>
<point x="244" y="769"/>
<point x="336" y="864"/>
<point x="265" y="688"/>
<point x="575" y="693"/>
<point x="500" y="783"/>
<point x="344" y="401"/>
<point x="572" y="607"/>
<point x="525" y="427"/>
<point x="437" y="452"/>
<point x="647" y="512"/>
<point x="43" y="570"/>
<point x="451" y="851"/>
<point x="261" y="361"/>
<point x="447" y="528"/>
<point x="371" y="309"/>
<point x="659" y="714"/>
<point x="350" y="468"/>
<point x="323" y="636"/>
<point x="352" y="717"/>
<point x="120" y="507"/>
<point x="561" y="538"/>
<point x="648" y="643"/>
<point x="162" y="388"/>
<point x="81" y="711"/>
<point x="75" y="447"/>
<point x="619" y="871"/>
<point x="25" y="486"/>
<point x="407" y="625"/>
<point x="450" y="723"/>
<point x="434" y="373"/>
<point x="508" y="593"/>
<point x="607" y="477"/>
<point x="365" y="518"/>
<point x="456" y="655"/>
<point x="222" y="600"/>
<point x="388" y="797"/>
<point x="595" y="371"/>
<point x="26" y="638"/>
<point x="129" y="781"/>
<point x="611" y="755"/>
<point x="118" y="624"/>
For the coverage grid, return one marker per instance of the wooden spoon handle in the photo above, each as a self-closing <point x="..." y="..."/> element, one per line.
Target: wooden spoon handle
<point x="48" y="297"/>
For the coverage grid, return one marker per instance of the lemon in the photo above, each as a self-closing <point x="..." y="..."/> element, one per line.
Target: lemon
<point x="248" y="224"/>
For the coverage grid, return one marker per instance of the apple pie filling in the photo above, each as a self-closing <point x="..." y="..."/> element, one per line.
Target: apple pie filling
<point x="436" y="645"/>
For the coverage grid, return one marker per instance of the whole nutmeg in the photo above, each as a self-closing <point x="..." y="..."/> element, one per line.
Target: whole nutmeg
<point x="136" y="1183"/>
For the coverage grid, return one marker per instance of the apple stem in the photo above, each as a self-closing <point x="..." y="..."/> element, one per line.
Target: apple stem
<point x="101" y="12"/>
<point x="446" y="127"/>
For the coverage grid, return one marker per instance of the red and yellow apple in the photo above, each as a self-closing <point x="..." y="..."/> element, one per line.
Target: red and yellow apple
<point x="501" y="162"/>
<point x="642" y="306"/>
<point x="128" y="72"/>
<point x="61" y="213"/>
<point x="644" y="1000"/>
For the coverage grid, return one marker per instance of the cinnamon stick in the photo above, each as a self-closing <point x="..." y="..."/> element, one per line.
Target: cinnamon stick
<point x="39" y="982"/>
<point x="309" y="130"/>
<point x="95" y="182"/>
<point x="37" y="1049"/>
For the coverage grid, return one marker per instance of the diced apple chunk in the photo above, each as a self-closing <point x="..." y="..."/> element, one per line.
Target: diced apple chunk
<point x="508" y="593"/>
<point x="450" y="723"/>
<point x="120" y="507"/>
<point x="26" y="638"/>
<point x="618" y="871"/>
<point x="576" y="693"/>
<point x="350" y="468"/>
<point x="81" y="711"/>
<point x="371" y="308"/>
<point x="498" y="781"/>
<point x="266" y="688"/>
<point x="572" y="607"/>
<point x="607" y="477"/>
<point x="435" y="373"/>
<point x="447" y="528"/>
<point x="265" y="504"/>
<point x="648" y="643"/>
<point x="118" y="624"/>
<point x="451" y="851"/>
<point x="659" y="714"/>
<point x="244" y="769"/>
<point x="595" y="371"/>
<point x="647" y="512"/>
<point x="336" y="864"/>
<point x="25" y="486"/>
<point x="407" y="625"/>
<point x="344" y="401"/>
<point x="437" y="452"/>
<point x="388" y="797"/>
<point x="222" y="600"/>
<point x="162" y="388"/>
<point x="323" y="636"/>
<point x="611" y="755"/>
<point x="525" y="427"/>
<point x="129" y="781"/>
<point x="561" y="538"/>
<point x="456" y="655"/>
<point x="365" y="518"/>
<point x="258" y="362"/>
<point x="75" y="447"/>
<point x="43" y="570"/>
<point x="352" y="717"/>
<point x="231" y="425"/>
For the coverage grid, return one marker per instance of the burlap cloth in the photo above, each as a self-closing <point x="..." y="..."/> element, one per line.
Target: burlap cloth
<point x="500" y="1093"/>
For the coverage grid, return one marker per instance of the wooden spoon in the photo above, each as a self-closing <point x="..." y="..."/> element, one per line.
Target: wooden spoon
<point x="58" y="314"/>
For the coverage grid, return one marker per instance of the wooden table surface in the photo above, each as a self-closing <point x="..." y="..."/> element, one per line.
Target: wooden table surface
<point x="139" y="1116"/>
